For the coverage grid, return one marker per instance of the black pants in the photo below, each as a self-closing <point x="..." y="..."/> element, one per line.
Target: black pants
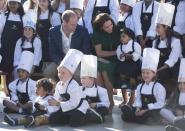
<point x="128" y="115"/>
<point x="169" y="73"/>
<point x="74" y="118"/>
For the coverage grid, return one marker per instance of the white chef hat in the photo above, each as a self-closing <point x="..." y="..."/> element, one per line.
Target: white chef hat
<point x="19" y="1"/>
<point x="130" y="3"/>
<point x="89" y="66"/>
<point x="26" y="61"/>
<point x="181" y="77"/>
<point x="71" y="60"/>
<point x="76" y="4"/>
<point x="29" y="20"/>
<point x="150" y="59"/>
<point x="165" y="14"/>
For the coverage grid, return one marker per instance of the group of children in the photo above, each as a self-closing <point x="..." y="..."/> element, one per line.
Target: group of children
<point x="70" y="103"/>
<point x="159" y="64"/>
<point x="66" y="103"/>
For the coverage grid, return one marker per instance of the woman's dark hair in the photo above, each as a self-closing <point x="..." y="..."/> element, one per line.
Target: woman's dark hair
<point x="100" y="20"/>
<point x="20" y="10"/>
<point x="130" y="11"/>
<point x="49" y="8"/>
<point x="23" y="38"/>
<point x="55" y="4"/>
<point x="129" y="32"/>
<point x="31" y="4"/>
<point x="169" y="35"/>
<point x="47" y="84"/>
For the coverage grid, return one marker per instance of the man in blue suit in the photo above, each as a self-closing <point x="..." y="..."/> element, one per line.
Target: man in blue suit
<point x="68" y="35"/>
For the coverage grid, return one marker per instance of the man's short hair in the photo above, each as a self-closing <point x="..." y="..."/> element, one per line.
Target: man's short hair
<point x="66" y="15"/>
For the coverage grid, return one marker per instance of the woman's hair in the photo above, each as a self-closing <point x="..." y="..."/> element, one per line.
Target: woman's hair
<point x="31" y="4"/>
<point x="169" y="35"/>
<point x="47" y="84"/>
<point x="4" y="5"/>
<point x="130" y="11"/>
<point x="55" y="4"/>
<point x="23" y="38"/>
<point x="100" y="20"/>
<point x="128" y="32"/>
<point x="20" y="10"/>
<point x="49" y="8"/>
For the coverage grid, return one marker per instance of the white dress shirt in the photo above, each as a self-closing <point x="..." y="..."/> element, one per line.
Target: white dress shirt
<point x="55" y="18"/>
<point x="127" y="48"/>
<point x="37" y="51"/>
<point x="102" y="94"/>
<point x="66" y="41"/>
<point x="61" y="7"/>
<point x="21" y="87"/>
<point x="44" y="102"/>
<point x="182" y="99"/>
<point x="76" y="94"/>
<point x="159" y="94"/>
<point x="180" y="18"/>
<point x="129" y="23"/>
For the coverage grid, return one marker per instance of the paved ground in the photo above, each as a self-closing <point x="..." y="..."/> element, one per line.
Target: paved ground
<point x="113" y="123"/>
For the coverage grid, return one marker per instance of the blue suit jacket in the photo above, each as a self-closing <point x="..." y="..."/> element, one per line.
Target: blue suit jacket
<point x="80" y="40"/>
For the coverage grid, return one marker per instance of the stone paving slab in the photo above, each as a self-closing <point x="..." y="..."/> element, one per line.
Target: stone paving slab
<point x="113" y="123"/>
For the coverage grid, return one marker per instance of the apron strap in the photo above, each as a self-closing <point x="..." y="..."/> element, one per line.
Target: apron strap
<point x="108" y="4"/>
<point x="133" y="47"/>
<point x="121" y="48"/>
<point x="17" y="82"/>
<point x="68" y="85"/>
<point x="27" y="86"/>
<point x="95" y="4"/>
<point x="175" y="3"/>
<point x="153" y="88"/>
<point x="83" y="21"/>
<point x="47" y="95"/>
<point x="32" y="41"/>
<point x="141" y="87"/>
<point x="142" y="8"/>
<point x="152" y="8"/>
<point x="7" y="16"/>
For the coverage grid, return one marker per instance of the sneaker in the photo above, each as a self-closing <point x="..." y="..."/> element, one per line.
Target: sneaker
<point x="11" y="121"/>
<point x="94" y="116"/>
<point x="180" y="123"/>
<point x="7" y="110"/>
<point x="30" y="121"/>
